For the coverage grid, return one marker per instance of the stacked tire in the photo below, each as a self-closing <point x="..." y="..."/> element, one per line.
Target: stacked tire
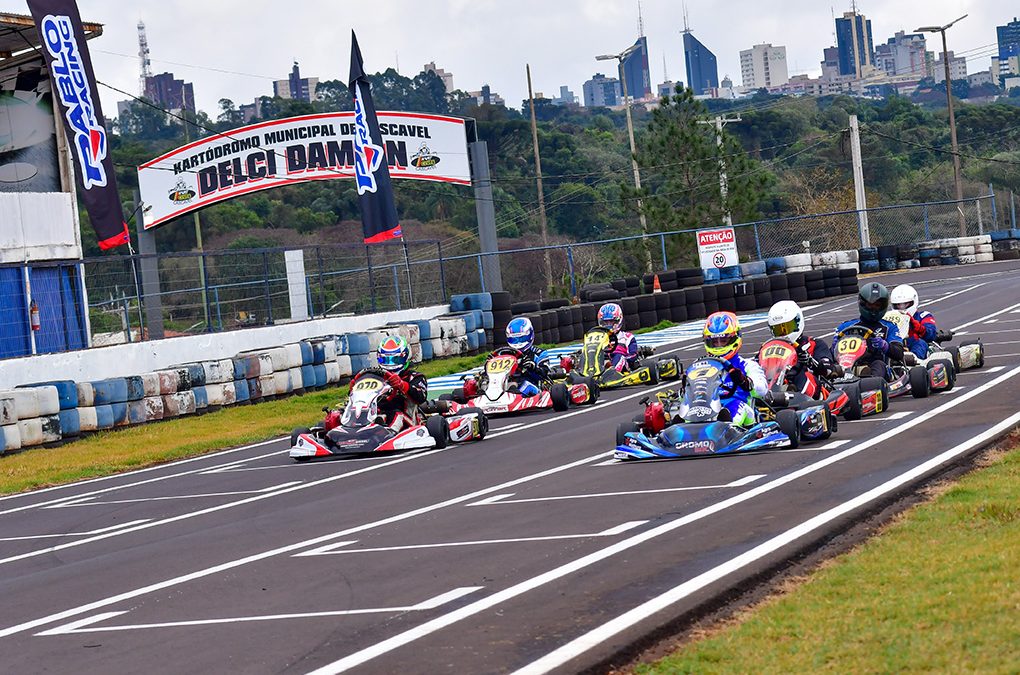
<point x="1005" y="244"/>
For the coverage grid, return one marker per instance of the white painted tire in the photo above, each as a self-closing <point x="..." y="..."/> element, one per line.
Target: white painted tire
<point x="984" y="257"/>
<point x="8" y="410"/>
<point x="799" y="268"/>
<point x="983" y="248"/>
<point x="268" y="385"/>
<point x="849" y="266"/>
<point x="283" y="385"/>
<point x="296" y="381"/>
<point x="966" y="249"/>
<point x="967" y="259"/>
<point x="332" y="372"/>
<point x="86" y="394"/>
<point x="293" y="360"/>
<point x="87" y="419"/>
<point x="343" y="361"/>
<point x="153" y="408"/>
<point x="10" y="437"/>
<point x="150" y="384"/>
<point x="797" y="260"/>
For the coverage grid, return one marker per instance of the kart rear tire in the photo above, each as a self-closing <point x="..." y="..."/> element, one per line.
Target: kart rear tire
<point x="957" y="359"/>
<point x="560" y="397"/>
<point x="439" y="429"/>
<point x="457" y="395"/>
<point x="789" y="424"/>
<point x="873" y="383"/>
<point x="950" y="373"/>
<point x="297" y="432"/>
<point x="593" y="390"/>
<point x="483" y="420"/>
<point x="668" y="359"/>
<point x="653" y="371"/>
<point x="854" y="409"/>
<point x="622" y="429"/>
<point x="919" y="382"/>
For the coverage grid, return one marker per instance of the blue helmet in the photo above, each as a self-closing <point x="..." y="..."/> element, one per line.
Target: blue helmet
<point x="520" y="334"/>
<point x="394" y="354"/>
<point x="611" y="316"/>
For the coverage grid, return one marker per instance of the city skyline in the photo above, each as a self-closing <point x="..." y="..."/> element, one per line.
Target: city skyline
<point x="486" y="56"/>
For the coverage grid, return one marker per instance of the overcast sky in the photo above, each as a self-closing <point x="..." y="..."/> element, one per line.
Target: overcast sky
<point x="480" y="41"/>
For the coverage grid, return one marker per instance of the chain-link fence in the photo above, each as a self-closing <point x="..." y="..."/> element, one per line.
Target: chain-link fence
<point x="232" y="289"/>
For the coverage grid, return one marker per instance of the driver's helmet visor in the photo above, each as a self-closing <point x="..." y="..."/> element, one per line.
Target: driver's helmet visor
<point x="392" y="362"/>
<point x="519" y="342"/>
<point x="719" y="341"/>
<point x="875" y="306"/>
<point x="785" y="328"/>
<point x="902" y="306"/>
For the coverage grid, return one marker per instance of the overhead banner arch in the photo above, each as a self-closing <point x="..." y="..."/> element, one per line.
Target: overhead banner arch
<point x="294" y="150"/>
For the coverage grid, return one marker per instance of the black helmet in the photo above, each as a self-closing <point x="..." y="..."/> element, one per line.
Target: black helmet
<point x="873" y="301"/>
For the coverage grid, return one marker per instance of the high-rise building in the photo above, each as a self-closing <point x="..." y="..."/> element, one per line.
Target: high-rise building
<point x="905" y="54"/>
<point x="170" y="93"/>
<point x="446" y="77"/>
<point x="830" y="64"/>
<point x="486" y="96"/>
<point x="602" y="91"/>
<point x="763" y="66"/>
<point x="296" y="87"/>
<point x="702" y="69"/>
<point x="566" y="97"/>
<point x="635" y="70"/>
<point x="1008" y="62"/>
<point x="667" y="88"/>
<point x="957" y="67"/>
<point x="853" y="38"/>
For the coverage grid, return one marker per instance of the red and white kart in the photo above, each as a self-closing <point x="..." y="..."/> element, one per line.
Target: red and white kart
<point x="360" y="430"/>
<point x="943" y="364"/>
<point x="494" y="392"/>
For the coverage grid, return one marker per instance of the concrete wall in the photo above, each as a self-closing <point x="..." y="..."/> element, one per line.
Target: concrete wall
<point x="143" y="357"/>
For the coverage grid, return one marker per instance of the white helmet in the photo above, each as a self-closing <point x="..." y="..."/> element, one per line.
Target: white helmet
<point x="786" y="320"/>
<point x="904" y="298"/>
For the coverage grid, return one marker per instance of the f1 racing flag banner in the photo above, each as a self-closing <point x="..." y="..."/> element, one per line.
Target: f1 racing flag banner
<point x="74" y="88"/>
<point x="284" y="152"/>
<point x="375" y="193"/>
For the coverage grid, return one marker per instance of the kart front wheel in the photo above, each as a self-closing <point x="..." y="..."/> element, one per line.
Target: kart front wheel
<point x="458" y="395"/>
<point x="560" y="397"/>
<point x="297" y="432"/>
<point x="919" y="382"/>
<point x="653" y="371"/>
<point x="789" y="424"/>
<point x="623" y="429"/>
<point x="439" y="430"/>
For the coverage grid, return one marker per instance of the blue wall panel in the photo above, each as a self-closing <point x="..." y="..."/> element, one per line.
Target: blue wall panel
<point x="14" y="328"/>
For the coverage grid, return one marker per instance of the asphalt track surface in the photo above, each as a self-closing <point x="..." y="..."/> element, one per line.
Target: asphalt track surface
<point x="531" y="551"/>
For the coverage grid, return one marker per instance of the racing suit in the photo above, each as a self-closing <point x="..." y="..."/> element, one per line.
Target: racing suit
<point x="399" y="409"/>
<point x="885" y="344"/>
<point x="624" y="353"/>
<point x="749" y="382"/>
<point x="922" y="333"/>
<point x="802" y="377"/>
<point x="530" y="373"/>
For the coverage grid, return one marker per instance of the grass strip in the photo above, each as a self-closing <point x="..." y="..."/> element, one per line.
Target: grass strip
<point x="937" y="591"/>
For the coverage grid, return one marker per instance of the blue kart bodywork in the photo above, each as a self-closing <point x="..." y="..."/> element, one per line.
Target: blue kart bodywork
<point x="698" y="424"/>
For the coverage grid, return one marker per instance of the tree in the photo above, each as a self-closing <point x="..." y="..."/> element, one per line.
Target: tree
<point x="680" y="159"/>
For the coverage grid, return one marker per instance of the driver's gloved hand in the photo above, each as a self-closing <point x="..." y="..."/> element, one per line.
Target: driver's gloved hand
<point x="740" y="379"/>
<point x="878" y="344"/>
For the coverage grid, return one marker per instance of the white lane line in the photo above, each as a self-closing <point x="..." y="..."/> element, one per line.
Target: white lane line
<point x="992" y="321"/>
<point x="75" y="534"/>
<point x="122" y="487"/>
<point x="953" y="295"/>
<point x="80" y="625"/>
<point x="335" y="549"/>
<point x="211" y="455"/>
<point x="1012" y="308"/>
<point x="995" y="369"/>
<point x="498" y="501"/>
<point x="1001" y="344"/>
<point x="612" y="461"/>
<point x="401" y="639"/>
<point x="995" y="332"/>
<point x="832" y="445"/>
<point x="239" y="562"/>
<point x="999" y="356"/>
<point x="579" y="645"/>
<point x="87" y="501"/>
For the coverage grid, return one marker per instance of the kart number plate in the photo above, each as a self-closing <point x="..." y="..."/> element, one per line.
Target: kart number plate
<point x="499" y="365"/>
<point x="368" y="385"/>
<point x="776" y="352"/>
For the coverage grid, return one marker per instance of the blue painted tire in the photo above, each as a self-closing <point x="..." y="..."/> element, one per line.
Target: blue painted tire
<point x="70" y="423"/>
<point x="472" y="338"/>
<point x="201" y="398"/>
<point x="427" y="353"/>
<point x="113" y="390"/>
<point x="867" y="253"/>
<point x="135" y="388"/>
<point x="318" y="353"/>
<point x="136" y="412"/>
<point x="999" y="235"/>
<point x="308" y="376"/>
<point x="711" y="275"/>
<point x="355" y="343"/>
<point x="240" y="367"/>
<point x="887" y="264"/>
<point x="949" y="260"/>
<point x="753" y="269"/>
<point x="928" y="253"/>
<point x="307" y="353"/>
<point x="242" y="392"/>
<point x="775" y="265"/>
<point x="470" y="321"/>
<point x="424" y="329"/>
<point x="469" y="301"/>
<point x="120" y="413"/>
<point x="487" y="321"/>
<point x="254" y="388"/>
<point x="321" y="379"/>
<point x="731" y="273"/>
<point x="105" y="417"/>
<point x="869" y="265"/>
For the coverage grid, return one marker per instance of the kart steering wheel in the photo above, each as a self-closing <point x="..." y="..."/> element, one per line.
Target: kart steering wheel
<point x="857" y="329"/>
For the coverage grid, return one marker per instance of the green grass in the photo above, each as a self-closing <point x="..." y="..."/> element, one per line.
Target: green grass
<point x="937" y="591"/>
<point x="111" y="452"/>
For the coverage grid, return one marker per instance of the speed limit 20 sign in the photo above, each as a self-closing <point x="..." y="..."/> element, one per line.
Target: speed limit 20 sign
<point x="717" y="248"/>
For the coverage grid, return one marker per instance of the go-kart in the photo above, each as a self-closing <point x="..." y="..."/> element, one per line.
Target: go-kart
<point x="594" y="360"/>
<point x="360" y="429"/>
<point x="692" y="422"/>
<point x="494" y="391"/>
<point x="970" y="354"/>
<point x="940" y="363"/>
<point x="850" y="348"/>
<point x="778" y="357"/>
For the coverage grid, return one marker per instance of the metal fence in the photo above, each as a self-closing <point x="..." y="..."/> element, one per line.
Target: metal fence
<point x="232" y="289"/>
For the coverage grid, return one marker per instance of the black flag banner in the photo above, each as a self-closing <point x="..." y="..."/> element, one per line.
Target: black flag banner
<point x="375" y="193"/>
<point x="74" y="87"/>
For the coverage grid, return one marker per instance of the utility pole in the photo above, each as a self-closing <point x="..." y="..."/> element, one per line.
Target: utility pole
<point x="198" y="243"/>
<point x="541" y="194"/>
<point x="859" y="194"/>
<point x="952" y="119"/>
<point x="724" y="186"/>
<point x="633" y="150"/>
